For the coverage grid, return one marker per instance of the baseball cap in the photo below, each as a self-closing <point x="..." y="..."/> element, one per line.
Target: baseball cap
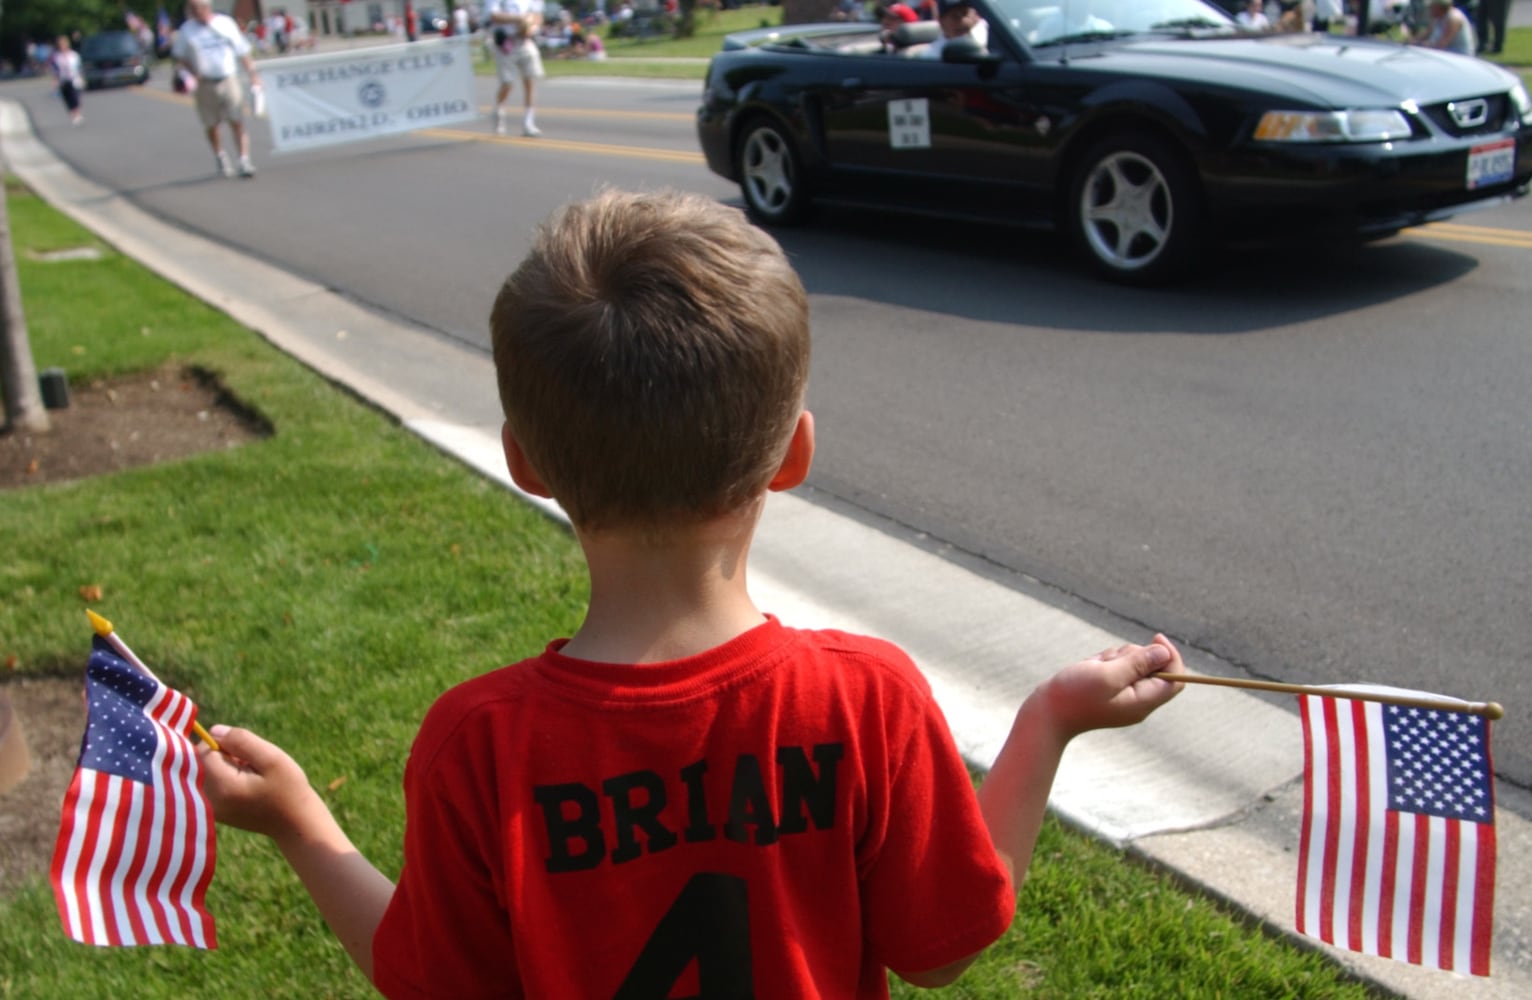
<point x="942" y="6"/>
<point x="903" y="12"/>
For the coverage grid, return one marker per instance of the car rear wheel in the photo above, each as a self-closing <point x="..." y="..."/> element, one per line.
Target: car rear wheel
<point x="770" y="174"/>
<point x="1134" y="210"/>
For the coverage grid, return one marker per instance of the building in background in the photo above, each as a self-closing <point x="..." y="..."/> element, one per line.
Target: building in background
<point x="344" y="18"/>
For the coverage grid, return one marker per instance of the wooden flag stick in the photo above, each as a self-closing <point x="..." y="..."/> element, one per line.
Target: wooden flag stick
<point x="1488" y="709"/>
<point x="104" y="630"/>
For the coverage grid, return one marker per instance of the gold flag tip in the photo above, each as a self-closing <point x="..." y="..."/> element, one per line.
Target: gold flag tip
<point x="101" y="625"/>
<point x="1493" y="710"/>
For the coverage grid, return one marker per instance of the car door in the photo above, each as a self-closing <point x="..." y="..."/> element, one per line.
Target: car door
<point x="935" y="130"/>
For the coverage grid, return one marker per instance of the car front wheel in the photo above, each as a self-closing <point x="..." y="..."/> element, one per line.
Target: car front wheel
<point x="771" y="174"/>
<point x="1134" y="210"/>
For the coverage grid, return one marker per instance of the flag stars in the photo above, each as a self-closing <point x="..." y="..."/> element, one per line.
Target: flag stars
<point x="1434" y="765"/>
<point x="120" y="737"/>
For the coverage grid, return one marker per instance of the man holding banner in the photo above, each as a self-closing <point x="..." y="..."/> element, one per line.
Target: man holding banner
<point x="212" y="48"/>
<point x="510" y="29"/>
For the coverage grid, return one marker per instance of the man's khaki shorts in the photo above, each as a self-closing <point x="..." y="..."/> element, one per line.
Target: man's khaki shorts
<point x="220" y="101"/>
<point x="523" y="62"/>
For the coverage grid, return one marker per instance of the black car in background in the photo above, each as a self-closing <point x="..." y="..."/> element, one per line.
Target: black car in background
<point x="1145" y="129"/>
<point x="113" y="58"/>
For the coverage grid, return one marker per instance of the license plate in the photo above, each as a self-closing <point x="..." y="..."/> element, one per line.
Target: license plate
<point x="1491" y="163"/>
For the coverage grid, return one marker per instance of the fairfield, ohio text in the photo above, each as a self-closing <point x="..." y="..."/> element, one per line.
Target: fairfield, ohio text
<point x="367" y="93"/>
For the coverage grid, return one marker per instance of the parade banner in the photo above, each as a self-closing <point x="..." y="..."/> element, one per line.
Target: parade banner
<point x="322" y="100"/>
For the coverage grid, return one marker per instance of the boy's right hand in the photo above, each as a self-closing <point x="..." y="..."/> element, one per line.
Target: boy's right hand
<point x="1113" y="688"/>
<point x="252" y="784"/>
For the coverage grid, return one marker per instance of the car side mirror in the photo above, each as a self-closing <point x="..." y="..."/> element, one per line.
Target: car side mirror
<point x="967" y="52"/>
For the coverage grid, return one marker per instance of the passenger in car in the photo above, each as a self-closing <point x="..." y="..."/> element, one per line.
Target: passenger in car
<point x="1253" y="17"/>
<point x="890" y="17"/>
<point x="957" y="19"/>
<point x="1290" y="20"/>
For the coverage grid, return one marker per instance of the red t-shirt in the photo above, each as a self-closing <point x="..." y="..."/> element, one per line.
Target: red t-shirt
<point x="782" y="816"/>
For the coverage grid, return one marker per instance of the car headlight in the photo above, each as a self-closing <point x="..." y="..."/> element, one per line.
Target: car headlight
<point x="1521" y="102"/>
<point x="1332" y="126"/>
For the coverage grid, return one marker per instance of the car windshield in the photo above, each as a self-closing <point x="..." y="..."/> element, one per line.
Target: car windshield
<point x="117" y="45"/>
<point x="1054" y="22"/>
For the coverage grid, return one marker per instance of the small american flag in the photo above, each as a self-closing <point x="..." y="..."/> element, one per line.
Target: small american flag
<point x="135" y="849"/>
<point x="1397" y="853"/>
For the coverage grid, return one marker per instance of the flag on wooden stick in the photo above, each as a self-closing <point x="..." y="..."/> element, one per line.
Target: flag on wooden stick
<point x="135" y="852"/>
<point x="1397" y="851"/>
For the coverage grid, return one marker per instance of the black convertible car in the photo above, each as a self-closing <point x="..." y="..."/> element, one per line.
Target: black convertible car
<point x="1147" y="129"/>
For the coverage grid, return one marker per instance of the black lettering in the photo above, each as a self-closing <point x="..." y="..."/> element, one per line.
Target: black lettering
<point x="803" y="791"/>
<point x="326" y="127"/>
<point x="631" y="816"/>
<point x="581" y="836"/>
<point x="584" y="825"/>
<point x="421" y="62"/>
<point x="698" y="829"/>
<point x="437" y="110"/>
<point x="748" y="804"/>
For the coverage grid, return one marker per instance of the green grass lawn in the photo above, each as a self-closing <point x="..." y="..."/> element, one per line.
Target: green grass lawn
<point x="644" y="69"/>
<point x="322" y="586"/>
<point x="644" y="57"/>
<point x="712" y="26"/>
<point x="1518" y="50"/>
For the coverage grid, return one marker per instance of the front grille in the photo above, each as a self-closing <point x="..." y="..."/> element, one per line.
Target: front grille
<point x="1471" y="116"/>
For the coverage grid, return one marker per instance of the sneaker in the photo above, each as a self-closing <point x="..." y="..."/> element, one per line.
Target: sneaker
<point x="246" y="168"/>
<point x="499" y="122"/>
<point x="225" y="165"/>
<point x="531" y="131"/>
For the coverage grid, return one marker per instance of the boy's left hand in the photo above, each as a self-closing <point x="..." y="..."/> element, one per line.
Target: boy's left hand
<point x="1113" y="688"/>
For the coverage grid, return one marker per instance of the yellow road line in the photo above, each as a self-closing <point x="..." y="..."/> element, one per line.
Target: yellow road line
<point x="657" y="116"/>
<point x="163" y="95"/>
<point x="568" y="146"/>
<point x="485" y="109"/>
<point x="1512" y="233"/>
<point x="564" y="145"/>
<point x="1452" y="233"/>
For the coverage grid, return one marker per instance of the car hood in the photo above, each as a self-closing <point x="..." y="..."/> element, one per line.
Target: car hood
<point x="1329" y="72"/>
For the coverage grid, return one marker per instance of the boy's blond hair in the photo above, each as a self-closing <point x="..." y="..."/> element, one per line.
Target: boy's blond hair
<point x="652" y="353"/>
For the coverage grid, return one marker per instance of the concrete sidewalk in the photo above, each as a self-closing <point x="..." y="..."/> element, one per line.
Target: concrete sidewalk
<point x="1208" y="788"/>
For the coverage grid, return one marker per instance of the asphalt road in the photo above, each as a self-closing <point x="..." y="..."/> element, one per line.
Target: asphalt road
<point x="1312" y="463"/>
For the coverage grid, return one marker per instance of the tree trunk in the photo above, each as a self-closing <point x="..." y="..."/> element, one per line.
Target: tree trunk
<point x="24" y="408"/>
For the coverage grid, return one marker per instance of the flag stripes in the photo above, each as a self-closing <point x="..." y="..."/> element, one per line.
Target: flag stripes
<point x="135" y="851"/>
<point x="1396" y="855"/>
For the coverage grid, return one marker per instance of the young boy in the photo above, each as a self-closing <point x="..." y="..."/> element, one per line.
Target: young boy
<point x="686" y="793"/>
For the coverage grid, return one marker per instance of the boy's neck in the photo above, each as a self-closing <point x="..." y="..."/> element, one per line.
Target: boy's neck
<point x="657" y="600"/>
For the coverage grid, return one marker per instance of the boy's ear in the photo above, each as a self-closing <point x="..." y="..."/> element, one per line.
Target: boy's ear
<point x="522" y="472"/>
<point x="800" y="455"/>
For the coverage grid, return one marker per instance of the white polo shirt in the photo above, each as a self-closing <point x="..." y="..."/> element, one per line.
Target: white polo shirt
<point x="520" y="8"/>
<point x="214" y="48"/>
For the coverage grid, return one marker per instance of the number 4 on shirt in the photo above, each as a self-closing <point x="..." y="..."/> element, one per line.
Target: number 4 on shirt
<point x="709" y="922"/>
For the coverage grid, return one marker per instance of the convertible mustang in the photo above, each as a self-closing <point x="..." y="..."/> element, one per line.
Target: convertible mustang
<point x="1147" y="129"/>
